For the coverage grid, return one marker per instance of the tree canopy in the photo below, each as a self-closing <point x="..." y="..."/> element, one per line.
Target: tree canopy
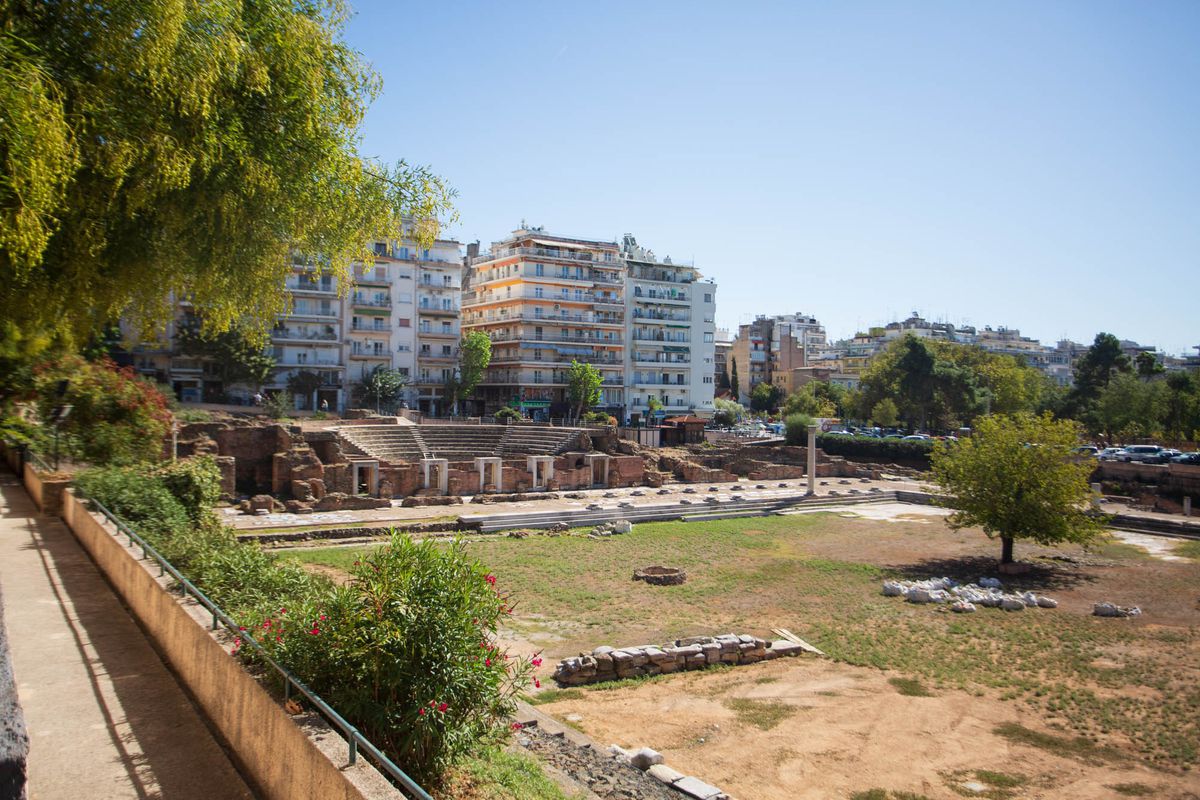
<point x="943" y="385"/>
<point x="151" y="150"/>
<point x="381" y="388"/>
<point x="583" y="386"/>
<point x="1015" y="478"/>
<point x="765" y="397"/>
<point x="474" y="355"/>
<point x="234" y="356"/>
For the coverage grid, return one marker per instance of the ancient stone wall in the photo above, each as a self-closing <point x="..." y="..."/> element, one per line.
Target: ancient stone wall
<point x="695" y="652"/>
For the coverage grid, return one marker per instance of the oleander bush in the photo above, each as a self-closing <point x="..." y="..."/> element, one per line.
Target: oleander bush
<point x="876" y="449"/>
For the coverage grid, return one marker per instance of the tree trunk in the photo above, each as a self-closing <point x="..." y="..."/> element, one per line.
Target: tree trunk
<point x="1006" y="550"/>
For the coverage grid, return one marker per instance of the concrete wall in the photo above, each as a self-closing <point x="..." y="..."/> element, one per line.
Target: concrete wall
<point x="271" y="750"/>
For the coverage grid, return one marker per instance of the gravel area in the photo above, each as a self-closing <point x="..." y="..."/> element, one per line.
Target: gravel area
<point x="602" y="773"/>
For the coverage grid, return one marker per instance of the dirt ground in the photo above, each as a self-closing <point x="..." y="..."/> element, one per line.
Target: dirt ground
<point x="849" y="730"/>
<point x="816" y="728"/>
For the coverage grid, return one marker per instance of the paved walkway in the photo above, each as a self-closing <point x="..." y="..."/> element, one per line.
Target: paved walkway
<point x="106" y="718"/>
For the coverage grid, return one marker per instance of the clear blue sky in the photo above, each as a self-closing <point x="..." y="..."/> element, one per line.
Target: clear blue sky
<point x="1029" y="164"/>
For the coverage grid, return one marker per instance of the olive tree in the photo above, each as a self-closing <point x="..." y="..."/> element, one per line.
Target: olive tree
<point x="1015" y="478"/>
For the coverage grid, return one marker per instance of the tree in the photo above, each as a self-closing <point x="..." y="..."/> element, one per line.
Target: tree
<point x="1181" y="415"/>
<point x="474" y="355"/>
<point x="1148" y="366"/>
<point x="1129" y="408"/>
<point x="796" y="429"/>
<point x="304" y="384"/>
<point x="653" y="406"/>
<point x="734" y="383"/>
<point x="154" y="150"/>
<point x="382" y="387"/>
<point x="817" y="399"/>
<point x="1094" y="370"/>
<point x="234" y="355"/>
<point x="885" y="413"/>
<point x="765" y="397"/>
<point x="728" y="413"/>
<point x="1015" y="478"/>
<point x="583" y="386"/>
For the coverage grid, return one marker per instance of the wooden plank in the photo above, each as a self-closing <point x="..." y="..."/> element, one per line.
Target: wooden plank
<point x="791" y="637"/>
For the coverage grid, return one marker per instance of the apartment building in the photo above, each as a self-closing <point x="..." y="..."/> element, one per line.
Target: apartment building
<point x="545" y="300"/>
<point x="721" y="349"/>
<point x="671" y="328"/>
<point x="438" y="272"/>
<point x="771" y="349"/>
<point x="309" y="338"/>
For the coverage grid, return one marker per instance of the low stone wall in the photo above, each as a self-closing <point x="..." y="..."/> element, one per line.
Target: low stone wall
<point x="694" y="652"/>
<point x="272" y="752"/>
<point x="1171" y="479"/>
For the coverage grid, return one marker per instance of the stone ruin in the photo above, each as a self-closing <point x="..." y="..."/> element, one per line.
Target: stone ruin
<point x="964" y="598"/>
<point x="661" y="576"/>
<point x="691" y="653"/>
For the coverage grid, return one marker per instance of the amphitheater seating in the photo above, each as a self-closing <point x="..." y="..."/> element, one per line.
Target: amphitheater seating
<point x="455" y="442"/>
<point x="385" y="442"/>
<point x="534" y="440"/>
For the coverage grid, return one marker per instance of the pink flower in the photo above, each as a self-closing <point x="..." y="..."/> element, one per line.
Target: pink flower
<point x="537" y="684"/>
<point x="279" y="638"/>
<point x="487" y="662"/>
<point x="442" y="707"/>
<point x="420" y="712"/>
<point x="283" y="611"/>
<point x="537" y="662"/>
<point x="323" y="617"/>
<point x="516" y="726"/>
<point x="241" y="629"/>
<point x="491" y="579"/>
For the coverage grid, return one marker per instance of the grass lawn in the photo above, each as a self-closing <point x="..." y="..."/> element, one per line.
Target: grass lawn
<point x="1124" y="684"/>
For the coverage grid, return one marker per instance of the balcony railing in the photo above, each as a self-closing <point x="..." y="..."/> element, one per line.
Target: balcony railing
<point x="376" y="302"/>
<point x="322" y="336"/>
<point x="650" y="337"/>
<point x="529" y="336"/>
<point x="584" y="319"/>
<point x="641" y="313"/>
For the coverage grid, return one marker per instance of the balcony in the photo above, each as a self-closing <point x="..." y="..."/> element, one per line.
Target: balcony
<point x="312" y="363"/>
<point x="659" y="316"/>
<point x="451" y="357"/>
<point x="371" y="302"/>
<point x="324" y="286"/>
<point x="646" y="381"/>
<point x="187" y="365"/>
<point x="381" y="354"/>
<point x="541" y="252"/>
<point x="438" y="334"/>
<point x="369" y="329"/>
<point x="531" y="337"/>
<point x="647" y="336"/>
<point x="683" y="364"/>
<point x="659" y="297"/>
<point x="287" y="334"/>
<point x="438" y="311"/>
<point x="549" y="319"/>
<point x="310" y="311"/>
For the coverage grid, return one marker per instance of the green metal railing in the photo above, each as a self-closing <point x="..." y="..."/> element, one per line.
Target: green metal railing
<point x="355" y="740"/>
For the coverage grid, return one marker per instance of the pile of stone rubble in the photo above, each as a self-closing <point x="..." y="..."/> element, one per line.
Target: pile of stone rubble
<point x="695" y="652"/>
<point x="1114" y="610"/>
<point x="965" y="598"/>
<point x="651" y="762"/>
<point x="617" y="526"/>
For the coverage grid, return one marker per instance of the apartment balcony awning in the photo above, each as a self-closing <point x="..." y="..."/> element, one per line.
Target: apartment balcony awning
<point x="672" y="349"/>
<point x="573" y="351"/>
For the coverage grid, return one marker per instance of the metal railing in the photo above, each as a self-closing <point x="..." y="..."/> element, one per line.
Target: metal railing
<point x="354" y="739"/>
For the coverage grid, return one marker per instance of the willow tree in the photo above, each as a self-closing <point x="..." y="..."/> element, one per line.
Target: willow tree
<point x="186" y="148"/>
<point x="1016" y="478"/>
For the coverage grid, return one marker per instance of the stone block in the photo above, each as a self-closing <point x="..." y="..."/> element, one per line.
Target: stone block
<point x="664" y="774"/>
<point x="782" y="647"/>
<point x="694" y="787"/>
<point x="645" y="758"/>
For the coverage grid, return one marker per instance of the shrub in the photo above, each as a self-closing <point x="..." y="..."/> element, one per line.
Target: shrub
<point x="599" y="418"/>
<point x="507" y="414"/>
<point x="22" y="432"/>
<point x="406" y="651"/>
<point x="140" y="499"/>
<point x="796" y="426"/>
<point x="116" y="416"/>
<point x="276" y="405"/>
<point x="194" y="482"/>
<point x="879" y="449"/>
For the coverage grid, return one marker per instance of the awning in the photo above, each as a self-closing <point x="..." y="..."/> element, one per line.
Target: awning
<point x="535" y="404"/>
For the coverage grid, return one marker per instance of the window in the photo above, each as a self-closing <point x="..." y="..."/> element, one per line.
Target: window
<point x="537" y="291"/>
<point x="707" y="297"/>
<point x="445" y="349"/>
<point x="446" y="327"/>
<point x="404" y="322"/>
<point x="708" y="378"/>
<point x="539" y="269"/>
<point x="403" y="371"/>
<point x="708" y="337"/>
<point x="425" y="350"/>
<point x="445" y="375"/>
<point x="402" y="253"/>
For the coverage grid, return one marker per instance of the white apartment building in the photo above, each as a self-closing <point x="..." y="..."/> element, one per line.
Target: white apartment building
<point x="309" y="339"/>
<point x="437" y="275"/>
<point x="671" y="327"/>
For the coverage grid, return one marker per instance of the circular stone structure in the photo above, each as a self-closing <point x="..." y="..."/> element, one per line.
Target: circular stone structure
<point x="661" y="576"/>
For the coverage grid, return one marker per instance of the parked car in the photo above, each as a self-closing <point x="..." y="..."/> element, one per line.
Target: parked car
<point x="917" y="437"/>
<point x="1087" y="450"/>
<point x="1143" y="453"/>
<point x="1111" y="454"/>
<point x="1187" y="458"/>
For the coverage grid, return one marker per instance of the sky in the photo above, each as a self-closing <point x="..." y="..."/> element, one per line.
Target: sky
<point x="1034" y="165"/>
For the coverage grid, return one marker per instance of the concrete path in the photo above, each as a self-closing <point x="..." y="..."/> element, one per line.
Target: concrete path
<point x="106" y="718"/>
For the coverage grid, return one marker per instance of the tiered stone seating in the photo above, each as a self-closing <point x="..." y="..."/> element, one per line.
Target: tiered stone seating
<point x="536" y="440"/>
<point x="396" y="443"/>
<point x="385" y="442"/>
<point x="461" y="442"/>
